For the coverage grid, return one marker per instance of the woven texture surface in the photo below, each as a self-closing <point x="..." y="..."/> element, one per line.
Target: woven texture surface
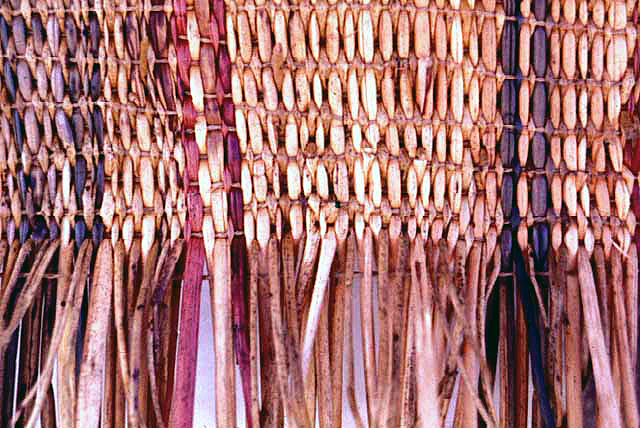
<point x="469" y="168"/>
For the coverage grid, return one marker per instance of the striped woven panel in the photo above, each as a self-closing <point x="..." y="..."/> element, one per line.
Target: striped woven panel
<point x="434" y="202"/>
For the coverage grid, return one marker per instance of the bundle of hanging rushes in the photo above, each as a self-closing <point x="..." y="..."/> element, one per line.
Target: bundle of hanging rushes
<point x="446" y="192"/>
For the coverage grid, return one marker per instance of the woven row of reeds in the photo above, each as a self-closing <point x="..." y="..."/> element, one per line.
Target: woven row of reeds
<point x="460" y="179"/>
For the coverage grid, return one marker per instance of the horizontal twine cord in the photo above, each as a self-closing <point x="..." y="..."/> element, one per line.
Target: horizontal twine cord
<point x="325" y="115"/>
<point x="87" y="59"/>
<point x="141" y="7"/>
<point x="87" y="102"/>
<point x="550" y="216"/>
<point x="477" y="167"/>
<point x="402" y="63"/>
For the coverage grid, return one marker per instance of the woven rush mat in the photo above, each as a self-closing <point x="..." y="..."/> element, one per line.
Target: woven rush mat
<point x="457" y="182"/>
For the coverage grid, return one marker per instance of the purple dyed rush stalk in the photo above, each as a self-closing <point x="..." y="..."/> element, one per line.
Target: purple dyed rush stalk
<point x="240" y="318"/>
<point x="239" y="281"/>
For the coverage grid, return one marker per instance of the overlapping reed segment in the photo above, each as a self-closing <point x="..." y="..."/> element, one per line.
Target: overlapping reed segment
<point x="52" y="185"/>
<point x="629" y="118"/>
<point x="83" y="88"/>
<point x="511" y="352"/>
<point x="214" y="201"/>
<point x="144" y="208"/>
<point x="590" y="77"/>
<point x="524" y="197"/>
<point x="372" y="124"/>
<point x="532" y="201"/>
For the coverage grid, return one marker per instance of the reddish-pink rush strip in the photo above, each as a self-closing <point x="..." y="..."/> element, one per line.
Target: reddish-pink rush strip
<point x="185" y="379"/>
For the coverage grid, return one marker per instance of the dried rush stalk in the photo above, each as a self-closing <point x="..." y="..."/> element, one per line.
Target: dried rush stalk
<point x="181" y="415"/>
<point x="271" y="410"/>
<point x="366" y="318"/>
<point x="327" y="251"/>
<point x="348" y="317"/>
<point x="220" y="287"/>
<point x="254" y="352"/>
<point x="631" y="296"/>
<point x="609" y="409"/>
<point x="629" y="400"/>
<point x="10" y="349"/>
<point x="294" y="383"/>
<point x="93" y="361"/>
<point x="399" y="257"/>
<point x="466" y="406"/>
<point x="426" y="361"/>
<point x="294" y="408"/>
<point x="22" y="301"/>
<point x="573" y="346"/>
<point x="295" y="341"/>
<point x="69" y="299"/>
<point x="162" y="279"/>
<point x="66" y="354"/>
<point x="525" y="291"/>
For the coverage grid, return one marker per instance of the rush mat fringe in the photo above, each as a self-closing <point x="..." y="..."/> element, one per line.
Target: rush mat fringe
<point x="445" y="191"/>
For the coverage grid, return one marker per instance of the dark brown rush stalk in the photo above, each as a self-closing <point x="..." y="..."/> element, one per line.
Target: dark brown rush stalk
<point x="631" y="289"/>
<point x="515" y="327"/>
